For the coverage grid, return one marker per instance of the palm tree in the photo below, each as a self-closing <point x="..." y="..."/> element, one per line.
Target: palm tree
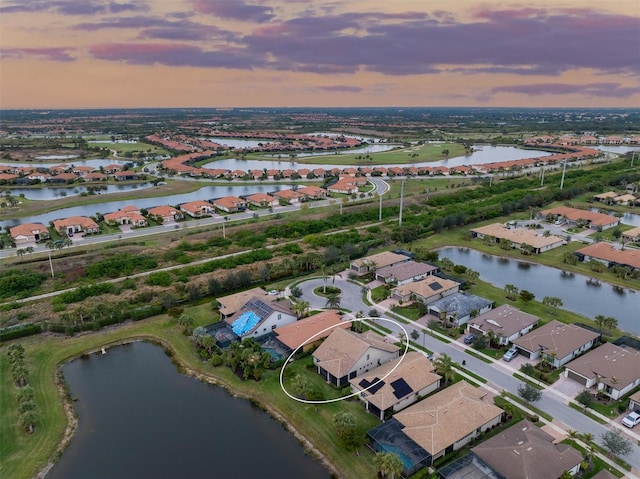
<point x="333" y="301"/>
<point x="300" y="307"/>
<point x="511" y="291"/>
<point x="389" y="464"/>
<point x="186" y="321"/>
<point x="444" y="367"/>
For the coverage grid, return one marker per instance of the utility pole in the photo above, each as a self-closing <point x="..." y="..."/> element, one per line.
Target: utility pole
<point x="51" y="264"/>
<point x="380" y="209"/>
<point x="542" y="176"/>
<point x="633" y="156"/>
<point x="401" y="202"/>
<point x="564" y="168"/>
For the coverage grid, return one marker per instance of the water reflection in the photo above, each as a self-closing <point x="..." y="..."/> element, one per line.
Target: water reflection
<point x="61" y="192"/>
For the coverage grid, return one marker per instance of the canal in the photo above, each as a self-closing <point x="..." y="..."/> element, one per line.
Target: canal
<point x="138" y="417"/>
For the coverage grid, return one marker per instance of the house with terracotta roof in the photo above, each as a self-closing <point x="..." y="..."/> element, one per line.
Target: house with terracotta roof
<point x="288" y="196"/>
<point x="60" y="178"/>
<point x="557" y="342"/>
<point x="76" y="224"/>
<point x="307" y="333"/>
<point x="28" y="233"/>
<point x="312" y="192"/>
<point x="632" y="235"/>
<point x="613" y="370"/>
<point x="406" y="380"/>
<point x="373" y="262"/>
<point x="230" y="204"/>
<point x="574" y="216"/>
<point x="168" y="214"/>
<point x="8" y="178"/>
<point x="605" y="197"/>
<point x="95" y="176"/>
<point x="343" y="186"/>
<point x="262" y="200"/>
<point x="505" y="322"/>
<point x="525" y="451"/>
<point x="439" y="424"/>
<point x="197" y="209"/>
<point x="609" y="255"/>
<point x="113" y="168"/>
<point x="129" y="215"/>
<point x="518" y="238"/>
<point x="345" y="355"/>
<point x="626" y="200"/>
<point x="405" y="272"/>
<point x="426" y="290"/>
<point x="258" y="317"/>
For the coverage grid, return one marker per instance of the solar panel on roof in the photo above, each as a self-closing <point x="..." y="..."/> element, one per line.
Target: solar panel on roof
<point x="401" y="388"/>
<point x="260" y="308"/>
<point x="364" y="383"/>
<point x="435" y="286"/>
<point x="377" y="387"/>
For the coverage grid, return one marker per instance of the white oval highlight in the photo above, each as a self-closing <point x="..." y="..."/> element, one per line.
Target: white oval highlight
<point x="327" y="401"/>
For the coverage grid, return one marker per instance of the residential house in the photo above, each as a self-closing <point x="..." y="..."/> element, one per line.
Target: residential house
<point x="614" y="370"/>
<point x="505" y="322"/>
<point x="8" y="178"/>
<point x="262" y="200"/>
<point x="129" y="215"/>
<point x="426" y="290"/>
<point x="559" y="343"/>
<point x="313" y="192"/>
<point x="405" y="272"/>
<point x="373" y="262"/>
<point x="126" y="175"/>
<point x="76" y="224"/>
<point x="442" y="423"/>
<point x="609" y="255"/>
<point x="28" y="234"/>
<point x="519" y="237"/>
<point x="460" y="307"/>
<point x="96" y="176"/>
<point x="230" y="204"/>
<point x="112" y="168"/>
<point x="197" y="209"/>
<point x="345" y="355"/>
<point x="605" y="197"/>
<point x="525" y="451"/>
<point x="258" y="317"/>
<point x="289" y="196"/>
<point x="232" y="303"/>
<point x="307" y="333"/>
<point x="626" y="200"/>
<point x="574" y="216"/>
<point x="168" y="214"/>
<point x="61" y="178"/>
<point x="396" y="384"/>
<point x="345" y="186"/>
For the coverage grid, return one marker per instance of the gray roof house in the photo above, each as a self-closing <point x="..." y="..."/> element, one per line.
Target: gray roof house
<point x="615" y="369"/>
<point x="524" y="451"/>
<point x="506" y="322"/>
<point x="459" y="306"/>
<point x="634" y="402"/>
<point x="406" y="272"/>
<point x="559" y="342"/>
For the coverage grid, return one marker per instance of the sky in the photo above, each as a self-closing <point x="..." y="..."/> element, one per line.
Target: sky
<point x="319" y="53"/>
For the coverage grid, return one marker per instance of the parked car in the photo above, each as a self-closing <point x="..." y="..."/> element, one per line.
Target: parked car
<point x="631" y="419"/>
<point x="509" y="355"/>
<point x="469" y="339"/>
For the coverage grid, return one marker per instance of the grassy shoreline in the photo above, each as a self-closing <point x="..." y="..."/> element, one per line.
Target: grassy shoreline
<point x="23" y="456"/>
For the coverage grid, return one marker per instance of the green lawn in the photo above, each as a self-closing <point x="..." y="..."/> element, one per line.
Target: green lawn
<point x="23" y="455"/>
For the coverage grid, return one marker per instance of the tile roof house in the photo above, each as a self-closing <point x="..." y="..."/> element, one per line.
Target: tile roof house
<point x="405" y="272"/>
<point x="343" y="186"/>
<point x="345" y="355"/>
<point x="615" y="369"/>
<point x="607" y="254"/>
<point x="168" y="213"/>
<point x="413" y="377"/>
<point x="457" y="307"/>
<point x="313" y="192"/>
<point x="634" y="402"/>
<point x="442" y="423"/>
<point x="27" y="233"/>
<point x="308" y="333"/>
<point x="258" y="317"/>
<point x="506" y="322"/>
<point x="76" y="224"/>
<point x="426" y="290"/>
<point x="525" y="451"/>
<point x="558" y="342"/>
<point x="518" y="237"/>
<point x="262" y="200"/>
<point x="197" y="209"/>
<point x="574" y="215"/>
<point x="288" y="196"/>
<point x="124" y="216"/>
<point x="233" y="302"/>
<point x="375" y="261"/>
<point x="230" y="204"/>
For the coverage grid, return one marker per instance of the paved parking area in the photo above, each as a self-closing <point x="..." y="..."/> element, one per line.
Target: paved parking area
<point x="567" y="386"/>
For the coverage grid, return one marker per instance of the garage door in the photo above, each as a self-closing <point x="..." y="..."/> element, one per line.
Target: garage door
<point x="576" y="377"/>
<point x="524" y="352"/>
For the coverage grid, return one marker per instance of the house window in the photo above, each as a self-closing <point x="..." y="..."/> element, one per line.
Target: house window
<point x="279" y="316"/>
<point x="273" y="326"/>
<point x="367" y="357"/>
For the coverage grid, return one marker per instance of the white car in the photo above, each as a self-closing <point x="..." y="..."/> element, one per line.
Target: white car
<point x="632" y="419"/>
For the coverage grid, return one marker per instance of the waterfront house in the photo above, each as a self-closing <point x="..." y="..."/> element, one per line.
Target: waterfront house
<point x="168" y="214"/>
<point x="288" y="196"/>
<point x="505" y="322"/>
<point x="307" y="333"/>
<point x="373" y="262"/>
<point x="258" y="317"/>
<point x="518" y="237"/>
<point x="405" y="272"/>
<point x="231" y="303"/>
<point x="28" y="234"/>
<point x="230" y="204"/>
<point x="76" y="224"/>
<point x="262" y="200"/>
<point x="197" y="209"/>
<point x="426" y="290"/>
<point x="609" y="255"/>
<point x="345" y="355"/>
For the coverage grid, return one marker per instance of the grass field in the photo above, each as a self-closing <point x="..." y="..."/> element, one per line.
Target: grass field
<point x="23" y="455"/>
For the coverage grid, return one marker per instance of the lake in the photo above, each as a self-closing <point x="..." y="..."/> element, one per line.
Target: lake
<point x="578" y="293"/>
<point x="138" y="417"/>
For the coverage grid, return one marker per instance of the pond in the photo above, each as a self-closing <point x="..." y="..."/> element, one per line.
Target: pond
<point x="138" y="417"/>
<point x="204" y="193"/>
<point x="53" y="193"/>
<point x="579" y="293"/>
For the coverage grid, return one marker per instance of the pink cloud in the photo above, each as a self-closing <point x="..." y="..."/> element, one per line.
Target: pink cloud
<point x="603" y="89"/>
<point x="341" y="88"/>
<point x="53" y="54"/>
